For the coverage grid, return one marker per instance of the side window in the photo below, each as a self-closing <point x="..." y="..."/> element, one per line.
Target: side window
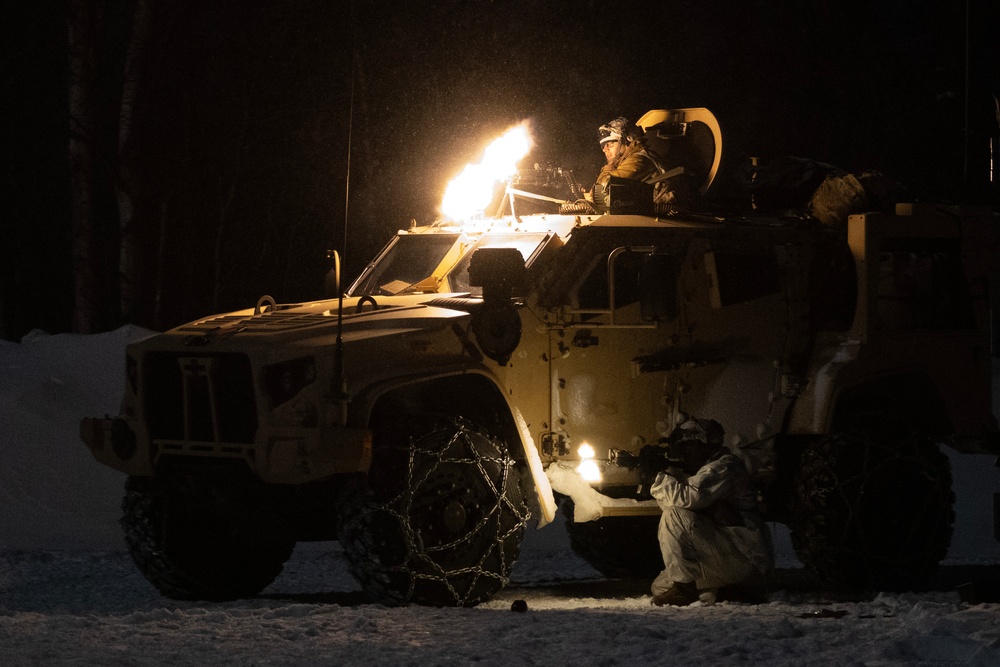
<point x="658" y="278"/>
<point x="739" y="277"/>
<point x="921" y="285"/>
<point x="593" y="293"/>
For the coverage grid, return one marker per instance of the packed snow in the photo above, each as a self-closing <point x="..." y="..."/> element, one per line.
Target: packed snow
<point x="69" y="593"/>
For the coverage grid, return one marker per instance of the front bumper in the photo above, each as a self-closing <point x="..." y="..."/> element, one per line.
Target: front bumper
<point x="283" y="455"/>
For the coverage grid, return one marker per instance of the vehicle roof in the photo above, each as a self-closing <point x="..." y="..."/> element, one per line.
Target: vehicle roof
<point x="565" y="224"/>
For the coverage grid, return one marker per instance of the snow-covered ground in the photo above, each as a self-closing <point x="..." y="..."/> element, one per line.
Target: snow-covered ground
<point x="70" y="595"/>
<point x="91" y="607"/>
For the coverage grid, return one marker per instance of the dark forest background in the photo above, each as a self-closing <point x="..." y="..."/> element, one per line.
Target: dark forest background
<point x="165" y="159"/>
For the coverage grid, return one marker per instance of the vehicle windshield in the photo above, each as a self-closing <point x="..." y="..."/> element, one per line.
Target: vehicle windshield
<point x="434" y="262"/>
<point x="406" y="261"/>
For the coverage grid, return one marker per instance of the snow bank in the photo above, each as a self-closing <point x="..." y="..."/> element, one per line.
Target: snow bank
<point x="54" y="495"/>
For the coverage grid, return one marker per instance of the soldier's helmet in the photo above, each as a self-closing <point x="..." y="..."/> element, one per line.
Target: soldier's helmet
<point x="619" y="129"/>
<point x="706" y="431"/>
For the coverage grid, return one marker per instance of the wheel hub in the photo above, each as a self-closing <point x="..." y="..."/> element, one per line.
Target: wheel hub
<point x="454" y="516"/>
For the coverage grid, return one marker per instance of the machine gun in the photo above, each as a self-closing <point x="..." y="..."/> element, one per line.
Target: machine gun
<point x="650" y="461"/>
<point x="543" y="188"/>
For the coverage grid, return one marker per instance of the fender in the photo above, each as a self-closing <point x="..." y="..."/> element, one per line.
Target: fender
<point x="472" y="392"/>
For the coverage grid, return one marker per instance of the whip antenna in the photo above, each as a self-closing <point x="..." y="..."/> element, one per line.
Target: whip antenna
<point x="339" y="381"/>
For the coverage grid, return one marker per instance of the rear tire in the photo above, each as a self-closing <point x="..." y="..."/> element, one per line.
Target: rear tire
<point x="441" y="516"/>
<point x="189" y="550"/>
<point x="872" y="507"/>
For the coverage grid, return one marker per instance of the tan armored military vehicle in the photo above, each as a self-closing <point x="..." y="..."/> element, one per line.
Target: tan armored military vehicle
<point x="482" y="372"/>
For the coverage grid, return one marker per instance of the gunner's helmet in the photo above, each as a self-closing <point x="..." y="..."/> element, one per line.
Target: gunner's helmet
<point x="619" y="129"/>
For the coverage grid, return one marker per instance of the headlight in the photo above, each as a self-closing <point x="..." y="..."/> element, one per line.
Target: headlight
<point x="284" y="381"/>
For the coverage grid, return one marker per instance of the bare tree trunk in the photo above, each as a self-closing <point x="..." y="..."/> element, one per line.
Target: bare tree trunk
<point x="161" y="244"/>
<point x="126" y="184"/>
<point x="83" y="39"/>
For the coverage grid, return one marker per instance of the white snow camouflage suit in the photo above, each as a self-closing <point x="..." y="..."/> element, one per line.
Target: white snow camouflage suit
<point x="711" y="531"/>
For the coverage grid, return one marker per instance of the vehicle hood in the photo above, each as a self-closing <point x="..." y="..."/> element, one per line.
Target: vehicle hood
<point x="289" y="323"/>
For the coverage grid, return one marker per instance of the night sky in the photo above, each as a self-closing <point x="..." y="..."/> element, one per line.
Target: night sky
<point x="244" y="110"/>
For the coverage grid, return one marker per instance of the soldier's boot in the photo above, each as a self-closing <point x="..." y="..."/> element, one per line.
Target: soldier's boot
<point x="680" y="594"/>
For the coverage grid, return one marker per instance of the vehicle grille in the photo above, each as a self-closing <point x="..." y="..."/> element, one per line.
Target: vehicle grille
<point x="205" y="398"/>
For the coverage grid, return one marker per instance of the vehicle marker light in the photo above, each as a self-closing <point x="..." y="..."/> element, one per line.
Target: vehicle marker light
<point x="588" y="469"/>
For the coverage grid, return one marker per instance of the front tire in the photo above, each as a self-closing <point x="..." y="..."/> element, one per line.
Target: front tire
<point x="872" y="508"/>
<point x="189" y="549"/>
<point x="440" y="518"/>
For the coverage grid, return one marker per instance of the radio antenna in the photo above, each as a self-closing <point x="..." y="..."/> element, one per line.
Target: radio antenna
<point x="339" y="380"/>
<point x="967" y="133"/>
<point x="350" y="129"/>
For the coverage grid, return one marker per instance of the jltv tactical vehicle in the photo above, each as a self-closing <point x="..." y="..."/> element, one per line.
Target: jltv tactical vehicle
<point x="448" y="395"/>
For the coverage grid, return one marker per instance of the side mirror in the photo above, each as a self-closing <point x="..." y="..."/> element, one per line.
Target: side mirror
<point x="331" y="283"/>
<point x="499" y="271"/>
<point x="497" y="324"/>
<point x="658" y="288"/>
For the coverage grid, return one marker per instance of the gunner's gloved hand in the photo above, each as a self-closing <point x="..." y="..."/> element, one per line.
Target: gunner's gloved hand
<point x="666" y="477"/>
<point x="675" y="473"/>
